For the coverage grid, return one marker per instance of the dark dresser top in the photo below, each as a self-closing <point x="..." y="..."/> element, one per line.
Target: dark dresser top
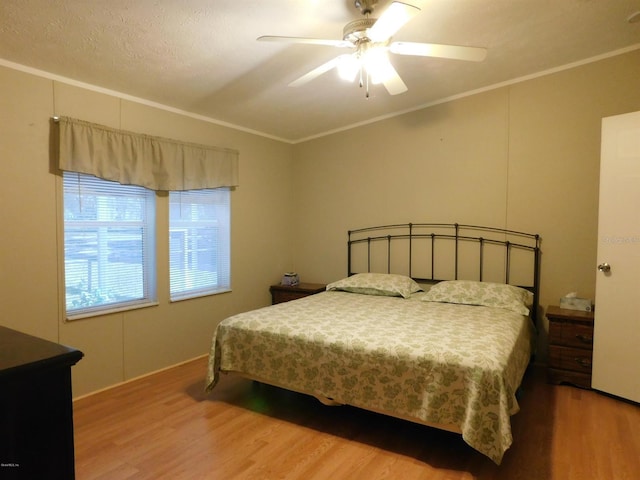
<point x="20" y="353"/>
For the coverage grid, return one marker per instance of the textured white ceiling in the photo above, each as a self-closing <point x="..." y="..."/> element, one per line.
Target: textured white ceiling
<point x="202" y="56"/>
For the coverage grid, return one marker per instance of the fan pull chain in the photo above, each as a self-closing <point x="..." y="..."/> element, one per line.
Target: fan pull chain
<point x="364" y="79"/>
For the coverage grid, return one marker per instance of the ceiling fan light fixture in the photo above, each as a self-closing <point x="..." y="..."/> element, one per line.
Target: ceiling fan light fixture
<point x="348" y="67"/>
<point x="376" y="63"/>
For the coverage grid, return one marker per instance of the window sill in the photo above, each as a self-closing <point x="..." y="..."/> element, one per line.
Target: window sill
<point x="109" y="311"/>
<point x="198" y="295"/>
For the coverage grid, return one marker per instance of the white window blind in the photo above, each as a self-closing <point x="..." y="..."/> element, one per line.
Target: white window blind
<point x="199" y="242"/>
<point x="109" y="245"/>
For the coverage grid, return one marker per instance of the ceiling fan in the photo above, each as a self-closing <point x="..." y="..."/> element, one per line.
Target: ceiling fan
<point x="371" y="40"/>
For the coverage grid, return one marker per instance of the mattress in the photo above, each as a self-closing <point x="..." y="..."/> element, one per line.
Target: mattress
<point x="454" y="366"/>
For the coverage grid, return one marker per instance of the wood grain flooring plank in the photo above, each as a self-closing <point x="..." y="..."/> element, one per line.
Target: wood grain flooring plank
<point x="165" y="426"/>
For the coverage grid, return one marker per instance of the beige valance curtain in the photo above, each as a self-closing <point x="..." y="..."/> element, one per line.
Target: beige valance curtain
<point x="136" y="159"/>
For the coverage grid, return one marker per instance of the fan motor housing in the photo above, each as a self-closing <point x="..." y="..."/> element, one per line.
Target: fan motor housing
<point x="356" y="31"/>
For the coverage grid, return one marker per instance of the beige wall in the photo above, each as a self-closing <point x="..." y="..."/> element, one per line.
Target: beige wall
<point x="120" y="346"/>
<point x="523" y="157"/>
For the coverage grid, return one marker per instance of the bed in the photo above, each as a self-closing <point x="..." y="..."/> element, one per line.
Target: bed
<point x="445" y="352"/>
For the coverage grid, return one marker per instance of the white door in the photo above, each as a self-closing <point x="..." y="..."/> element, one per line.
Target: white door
<point x="616" y="340"/>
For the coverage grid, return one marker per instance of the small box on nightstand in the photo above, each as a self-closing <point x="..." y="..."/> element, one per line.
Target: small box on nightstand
<point x="575" y="303"/>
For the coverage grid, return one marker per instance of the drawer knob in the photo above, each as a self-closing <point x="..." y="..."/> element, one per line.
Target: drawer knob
<point x="583" y="362"/>
<point x="584" y="338"/>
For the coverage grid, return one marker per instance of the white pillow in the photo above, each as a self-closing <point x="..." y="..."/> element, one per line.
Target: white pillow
<point x="386" y="284"/>
<point x="468" y="292"/>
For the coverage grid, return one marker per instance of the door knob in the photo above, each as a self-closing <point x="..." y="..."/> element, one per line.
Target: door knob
<point x="604" y="267"/>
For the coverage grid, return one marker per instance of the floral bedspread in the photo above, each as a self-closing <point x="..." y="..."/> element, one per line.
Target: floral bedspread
<point x="457" y="366"/>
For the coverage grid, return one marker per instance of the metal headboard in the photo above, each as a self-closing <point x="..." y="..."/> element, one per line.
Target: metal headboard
<point x="432" y="238"/>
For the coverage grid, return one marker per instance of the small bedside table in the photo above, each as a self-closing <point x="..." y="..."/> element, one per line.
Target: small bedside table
<point x="570" y="346"/>
<point x="285" y="293"/>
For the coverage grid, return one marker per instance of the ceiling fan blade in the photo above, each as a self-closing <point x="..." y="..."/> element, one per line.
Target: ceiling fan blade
<point x="472" y="54"/>
<point x="316" y="72"/>
<point x="310" y="41"/>
<point x="394" y="84"/>
<point x="392" y="20"/>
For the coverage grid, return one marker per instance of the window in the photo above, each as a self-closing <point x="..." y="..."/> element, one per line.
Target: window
<point x="199" y="242"/>
<point x="109" y="245"/>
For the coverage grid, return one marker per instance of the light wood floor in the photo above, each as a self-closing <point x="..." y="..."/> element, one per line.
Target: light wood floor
<point x="165" y="427"/>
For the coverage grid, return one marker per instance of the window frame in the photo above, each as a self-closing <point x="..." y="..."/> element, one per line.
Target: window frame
<point x="149" y="240"/>
<point x="222" y="226"/>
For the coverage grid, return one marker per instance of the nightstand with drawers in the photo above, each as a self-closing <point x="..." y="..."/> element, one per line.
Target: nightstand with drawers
<point x="570" y="346"/>
<point x="285" y="293"/>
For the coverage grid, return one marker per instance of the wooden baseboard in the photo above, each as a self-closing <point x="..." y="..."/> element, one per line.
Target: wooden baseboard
<point x="119" y="384"/>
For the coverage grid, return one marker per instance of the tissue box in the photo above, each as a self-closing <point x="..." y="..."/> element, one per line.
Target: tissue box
<point x="290" y="279"/>
<point x="575" y="303"/>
